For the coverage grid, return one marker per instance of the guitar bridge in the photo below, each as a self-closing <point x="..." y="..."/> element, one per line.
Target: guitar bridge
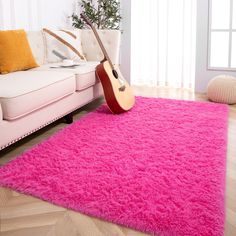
<point x="122" y="88"/>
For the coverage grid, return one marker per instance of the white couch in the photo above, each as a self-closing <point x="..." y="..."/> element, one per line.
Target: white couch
<point x="30" y="100"/>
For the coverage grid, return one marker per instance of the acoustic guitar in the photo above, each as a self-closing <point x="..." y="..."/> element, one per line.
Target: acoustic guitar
<point x="118" y="93"/>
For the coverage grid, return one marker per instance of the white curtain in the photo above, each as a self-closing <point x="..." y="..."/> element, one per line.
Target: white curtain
<point x="163" y="42"/>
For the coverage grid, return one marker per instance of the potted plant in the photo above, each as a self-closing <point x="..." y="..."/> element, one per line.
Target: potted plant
<point x="104" y="14"/>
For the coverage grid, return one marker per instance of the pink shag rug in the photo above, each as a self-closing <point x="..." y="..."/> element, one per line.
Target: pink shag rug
<point x="159" y="168"/>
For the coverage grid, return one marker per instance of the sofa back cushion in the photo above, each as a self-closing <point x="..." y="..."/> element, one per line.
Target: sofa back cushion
<point x="110" y="40"/>
<point x="15" y="52"/>
<point x="42" y="49"/>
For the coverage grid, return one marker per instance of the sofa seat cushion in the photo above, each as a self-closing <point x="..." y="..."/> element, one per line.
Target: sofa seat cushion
<point x="26" y="91"/>
<point x="84" y="73"/>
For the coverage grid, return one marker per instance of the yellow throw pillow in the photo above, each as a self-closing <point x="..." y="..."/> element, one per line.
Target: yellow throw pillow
<point x="15" y="52"/>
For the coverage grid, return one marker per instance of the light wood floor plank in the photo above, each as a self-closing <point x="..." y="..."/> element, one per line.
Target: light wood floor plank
<point x="31" y="221"/>
<point x="5" y="196"/>
<point x="29" y="209"/>
<point x="108" y="229"/>
<point x="66" y="226"/>
<point x="35" y="231"/>
<point x="85" y="224"/>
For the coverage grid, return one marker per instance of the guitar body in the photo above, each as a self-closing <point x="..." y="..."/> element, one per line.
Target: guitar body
<point x="118" y="100"/>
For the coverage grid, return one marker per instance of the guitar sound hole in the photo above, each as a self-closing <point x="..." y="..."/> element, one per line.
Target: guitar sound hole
<point x="114" y="72"/>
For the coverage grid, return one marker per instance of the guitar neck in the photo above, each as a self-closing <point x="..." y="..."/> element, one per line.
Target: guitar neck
<point x="106" y="56"/>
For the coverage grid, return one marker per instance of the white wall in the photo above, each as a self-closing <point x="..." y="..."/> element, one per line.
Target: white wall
<point x="203" y="75"/>
<point x="35" y="14"/>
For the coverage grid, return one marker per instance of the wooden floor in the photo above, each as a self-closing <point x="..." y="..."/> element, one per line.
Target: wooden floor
<point x="21" y="215"/>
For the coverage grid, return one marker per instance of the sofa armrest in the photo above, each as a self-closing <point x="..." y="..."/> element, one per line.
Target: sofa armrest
<point x="110" y="39"/>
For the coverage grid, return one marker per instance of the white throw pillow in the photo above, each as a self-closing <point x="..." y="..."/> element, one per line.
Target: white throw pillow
<point x="36" y="42"/>
<point x="65" y="42"/>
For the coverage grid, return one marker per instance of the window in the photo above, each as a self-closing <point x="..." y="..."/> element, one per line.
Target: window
<point x="222" y="35"/>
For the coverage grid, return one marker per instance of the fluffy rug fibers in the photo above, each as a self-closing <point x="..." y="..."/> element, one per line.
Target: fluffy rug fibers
<point x="159" y="168"/>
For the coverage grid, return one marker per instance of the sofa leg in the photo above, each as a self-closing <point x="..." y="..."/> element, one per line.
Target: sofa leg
<point x="68" y="118"/>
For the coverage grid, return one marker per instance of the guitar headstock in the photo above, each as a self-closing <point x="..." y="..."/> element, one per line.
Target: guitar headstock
<point x="86" y="20"/>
